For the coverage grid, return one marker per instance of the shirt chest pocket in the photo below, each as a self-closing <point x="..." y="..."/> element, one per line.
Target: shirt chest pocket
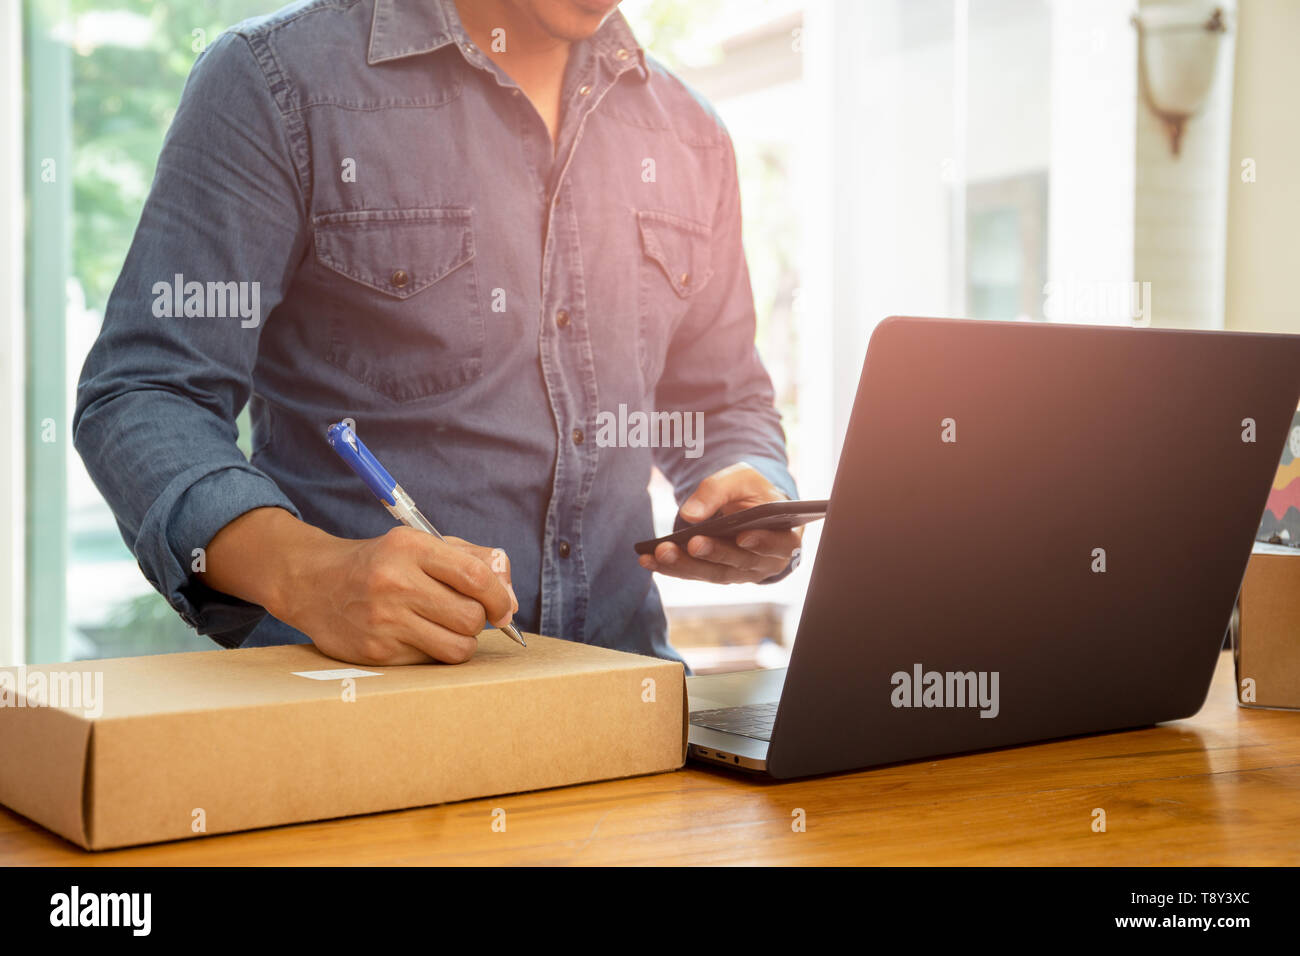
<point x="675" y="267"/>
<point x="405" y="318"/>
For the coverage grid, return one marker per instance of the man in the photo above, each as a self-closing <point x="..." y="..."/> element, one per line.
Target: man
<point x="473" y="229"/>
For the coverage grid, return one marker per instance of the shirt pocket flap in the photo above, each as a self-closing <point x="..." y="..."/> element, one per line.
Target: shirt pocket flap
<point x="398" y="252"/>
<point x="682" y="248"/>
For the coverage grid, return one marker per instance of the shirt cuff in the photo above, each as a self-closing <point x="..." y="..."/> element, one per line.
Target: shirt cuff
<point x="193" y="507"/>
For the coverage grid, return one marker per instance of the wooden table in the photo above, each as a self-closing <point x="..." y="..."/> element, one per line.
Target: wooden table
<point x="1217" y="789"/>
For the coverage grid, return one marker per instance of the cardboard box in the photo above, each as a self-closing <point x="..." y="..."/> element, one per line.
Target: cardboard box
<point x="1266" y="629"/>
<point x="184" y="745"/>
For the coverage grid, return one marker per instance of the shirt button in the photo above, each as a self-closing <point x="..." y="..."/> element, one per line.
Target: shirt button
<point x="578" y="436"/>
<point x="564" y="549"/>
<point x="400" y="278"/>
<point x="562" y="319"/>
<point x="584" y="89"/>
<point x="685" y="278"/>
<point x="621" y="54"/>
<point x="469" y="48"/>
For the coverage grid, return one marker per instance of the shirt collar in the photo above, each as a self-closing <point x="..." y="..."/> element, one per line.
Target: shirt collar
<point x="401" y="28"/>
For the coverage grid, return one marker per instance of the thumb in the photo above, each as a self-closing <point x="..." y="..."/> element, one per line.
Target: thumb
<point x="707" y="500"/>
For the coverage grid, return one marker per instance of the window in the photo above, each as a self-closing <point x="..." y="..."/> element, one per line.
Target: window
<point x="1006" y="242"/>
<point x="102" y="79"/>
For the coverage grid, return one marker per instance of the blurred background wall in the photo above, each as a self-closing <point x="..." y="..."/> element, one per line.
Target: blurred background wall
<point x="1263" y="235"/>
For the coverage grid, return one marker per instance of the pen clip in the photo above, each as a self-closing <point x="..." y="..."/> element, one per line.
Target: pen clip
<point x="354" y="451"/>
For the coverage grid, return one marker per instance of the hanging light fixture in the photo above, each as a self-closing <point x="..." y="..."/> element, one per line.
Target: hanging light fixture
<point x="1177" y="58"/>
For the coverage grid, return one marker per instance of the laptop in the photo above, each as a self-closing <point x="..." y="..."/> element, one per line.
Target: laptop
<point x="1035" y="531"/>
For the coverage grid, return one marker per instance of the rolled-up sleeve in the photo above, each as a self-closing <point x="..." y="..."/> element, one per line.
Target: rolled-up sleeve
<point x="160" y="392"/>
<point x="713" y="367"/>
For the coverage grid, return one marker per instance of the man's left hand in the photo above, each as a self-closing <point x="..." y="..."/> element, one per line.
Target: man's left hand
<point x="753" y="556"/>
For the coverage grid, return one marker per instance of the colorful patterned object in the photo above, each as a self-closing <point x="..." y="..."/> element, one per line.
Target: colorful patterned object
<point x="1281" y="524"/>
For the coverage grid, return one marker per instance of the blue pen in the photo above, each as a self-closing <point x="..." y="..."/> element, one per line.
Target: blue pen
<point x="399" y="504"/>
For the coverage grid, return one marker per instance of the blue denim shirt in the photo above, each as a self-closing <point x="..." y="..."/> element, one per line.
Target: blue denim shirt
<point x="392" y="238"/>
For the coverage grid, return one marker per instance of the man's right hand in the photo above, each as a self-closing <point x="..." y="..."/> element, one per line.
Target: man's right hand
<point x="403" y="598"/>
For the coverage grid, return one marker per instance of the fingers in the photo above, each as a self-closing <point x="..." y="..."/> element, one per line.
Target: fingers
<point x="494" y="558"/>
<point x="398" y="636"/>
<point x="425" y="640"/>
<point x="670" y="559"/>
<point x="758" y="567"/>
<point x="458" y="565"/>
<point x="722" y="551"/>
<point x="679" y="565"/>
<point x="772" y="544"/>
<point x="753" y="556"/>
<point x="439" y="604"/>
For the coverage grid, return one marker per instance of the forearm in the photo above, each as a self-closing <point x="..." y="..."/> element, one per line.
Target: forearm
<point x="263" y="556"/>
<point x="739" y="424"/>
<point x="176" y="482"/>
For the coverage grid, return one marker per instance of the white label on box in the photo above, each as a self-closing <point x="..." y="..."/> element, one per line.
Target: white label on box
<point x="341" y="674"/>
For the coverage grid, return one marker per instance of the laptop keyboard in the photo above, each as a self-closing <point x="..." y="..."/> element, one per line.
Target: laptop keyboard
<point x="749" y="720"/>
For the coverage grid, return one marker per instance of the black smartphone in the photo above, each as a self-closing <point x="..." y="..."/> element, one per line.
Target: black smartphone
<point x="773" y="516"/>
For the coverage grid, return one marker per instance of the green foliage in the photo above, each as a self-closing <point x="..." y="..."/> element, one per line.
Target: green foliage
<point x="129" y="62"/>
<point x="668" y="29"/>
<point x="145" y="624"/>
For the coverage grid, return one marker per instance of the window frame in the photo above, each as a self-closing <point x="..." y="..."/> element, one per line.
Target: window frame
<point x="46" y="81"/>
